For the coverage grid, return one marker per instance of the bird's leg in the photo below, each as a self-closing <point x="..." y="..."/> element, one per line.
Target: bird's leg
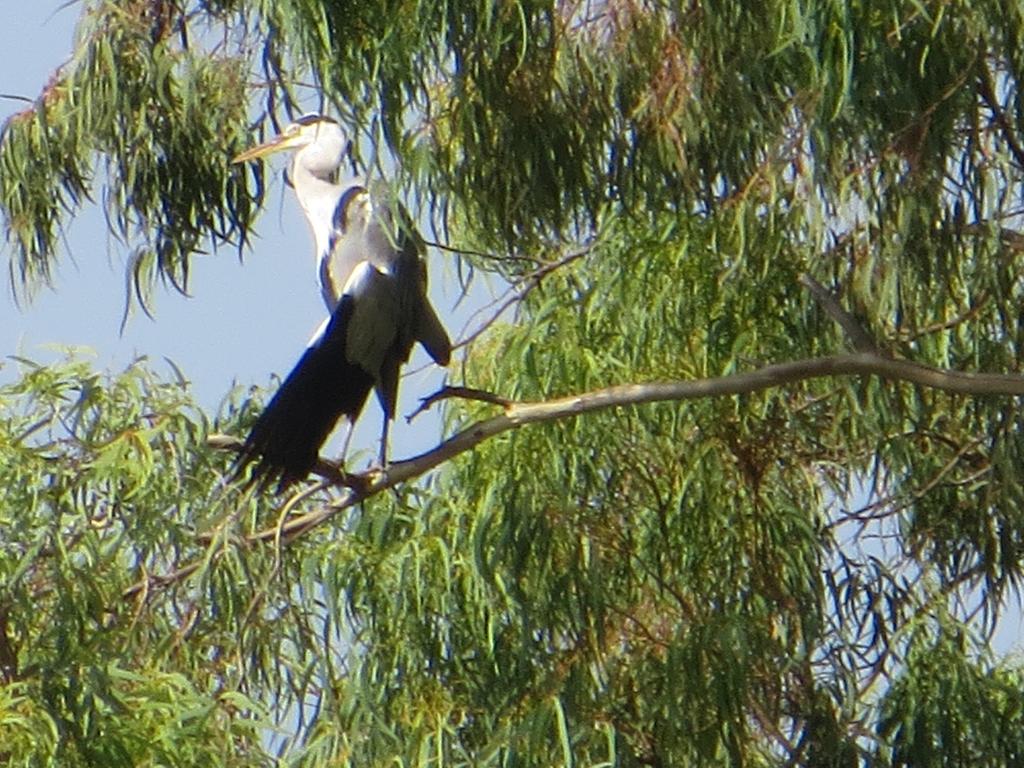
<point x="341" y="475"/>
<point x="350" y="427"/>
<point x="384" y="442"/>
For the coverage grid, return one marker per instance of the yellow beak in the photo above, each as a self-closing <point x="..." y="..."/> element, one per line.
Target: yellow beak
<point x="276" y="144"/>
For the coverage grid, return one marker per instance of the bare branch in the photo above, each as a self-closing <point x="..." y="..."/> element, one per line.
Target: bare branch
<point x="482" y="254"/>
<point x="977" y="305"/>
<point x="511" y="296"/>
<point x="144" y="586"/>
<point x="521" y="414"/>
<point x="859" y="337"/>
<point x="868" y="511"/>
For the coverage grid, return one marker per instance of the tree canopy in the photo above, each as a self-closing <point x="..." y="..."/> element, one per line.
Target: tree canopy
<point x="789" y="555"/>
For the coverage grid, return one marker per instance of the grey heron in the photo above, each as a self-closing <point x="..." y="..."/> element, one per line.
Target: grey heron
<point x="374" y="282"/>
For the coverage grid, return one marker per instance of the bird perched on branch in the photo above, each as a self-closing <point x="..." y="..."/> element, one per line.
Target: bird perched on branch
<point x="374" y="282"/>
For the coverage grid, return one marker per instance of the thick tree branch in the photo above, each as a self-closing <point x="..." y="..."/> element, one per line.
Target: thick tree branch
<point x="521" y="414"/>
<point x="518" y="415"/>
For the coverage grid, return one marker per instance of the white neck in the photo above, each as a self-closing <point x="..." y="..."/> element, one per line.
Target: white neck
<point x="318" y="198"/>
<point x="314" y="174"/>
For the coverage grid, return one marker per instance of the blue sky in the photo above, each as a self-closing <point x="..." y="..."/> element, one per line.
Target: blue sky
<point x="243" y="322"/>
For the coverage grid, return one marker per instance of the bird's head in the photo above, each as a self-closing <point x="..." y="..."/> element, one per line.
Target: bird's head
<point x="319" y="142"/>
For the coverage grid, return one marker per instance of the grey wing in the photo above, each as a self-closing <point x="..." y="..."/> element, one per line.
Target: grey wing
<point x="370" y="232"/>
<point x="374" y="325"/>
<point x="406" y="250"/>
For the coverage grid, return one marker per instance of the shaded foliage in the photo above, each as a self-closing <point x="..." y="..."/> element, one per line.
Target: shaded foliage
<point x="101" y="485"/>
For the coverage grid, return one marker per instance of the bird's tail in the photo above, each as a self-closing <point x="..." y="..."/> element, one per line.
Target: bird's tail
<point x="285" y="441"/>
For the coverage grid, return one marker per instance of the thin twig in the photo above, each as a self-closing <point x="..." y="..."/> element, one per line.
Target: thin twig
<point x="859" y="337"/>
<point x="481" y="254"/>
<point x="527" y="283"/>
<point x="866" y="512"/>
<point x="979" y="304"/>
<point x="150" y="582"/>
<point x="463" y="393"/>
<point x="515" y="294"/>
<point x="988" y="94"/>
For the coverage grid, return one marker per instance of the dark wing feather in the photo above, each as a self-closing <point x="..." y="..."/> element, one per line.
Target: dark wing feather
<point x="285" y="441"/>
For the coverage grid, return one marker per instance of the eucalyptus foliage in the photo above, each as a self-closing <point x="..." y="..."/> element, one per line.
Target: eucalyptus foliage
<point x="806" y="575"/>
